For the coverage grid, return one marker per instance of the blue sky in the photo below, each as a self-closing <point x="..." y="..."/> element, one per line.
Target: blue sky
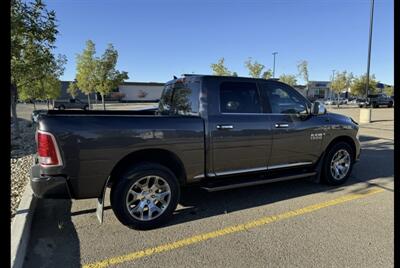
<point x="159" y="39"/>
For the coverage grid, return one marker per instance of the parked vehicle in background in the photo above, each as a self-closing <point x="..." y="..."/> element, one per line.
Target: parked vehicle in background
<point x="217" y="132"/>
<point x="377" y="100"/>
<point x="71" y="104"/>
<point x="330" y="102"/>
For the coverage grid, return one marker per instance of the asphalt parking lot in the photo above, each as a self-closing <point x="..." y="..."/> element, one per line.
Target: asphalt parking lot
<point x="286" y="224"/>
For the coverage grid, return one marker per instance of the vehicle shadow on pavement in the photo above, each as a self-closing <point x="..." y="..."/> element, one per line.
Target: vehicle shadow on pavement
<point x="54" y="241"/>
<point x="376" y="162"/>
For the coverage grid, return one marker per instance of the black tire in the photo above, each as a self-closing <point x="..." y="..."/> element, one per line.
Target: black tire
<point x="120" y="188"/>
<point x="86" y="107"/>
<point x="61" y="107"/>
<point x="390" y="104"/>
<point x="327" y="176"/>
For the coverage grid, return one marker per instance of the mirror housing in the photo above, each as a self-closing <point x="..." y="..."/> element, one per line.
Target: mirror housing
<point x="318" y="108"/>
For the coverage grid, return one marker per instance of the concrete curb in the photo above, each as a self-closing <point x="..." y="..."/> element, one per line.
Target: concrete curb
<point x="21" y="227"/>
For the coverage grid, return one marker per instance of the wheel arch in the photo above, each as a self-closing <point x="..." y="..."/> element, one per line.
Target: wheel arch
<point x="159" y="156"/>
<point x="347" y="139"/>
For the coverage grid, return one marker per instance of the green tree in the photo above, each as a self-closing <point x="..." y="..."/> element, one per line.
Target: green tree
<point x="33" y="36"/>
<point x="302" y="68"/>
<point x="51" y="87"/>
<point x="341" y="81"/>
<point x="359" y="83"/>
<point x="234" y="74"/>
<point x="220" y="69"/>
<point x="86" y="66"/>
<point x="389" y="90"/>
<point x="107" y="76"/>
<point x="267" y="74"/>
<point x="288" y="79"/>
<point x="255" y="68"/>
<point x="73" y="89"/>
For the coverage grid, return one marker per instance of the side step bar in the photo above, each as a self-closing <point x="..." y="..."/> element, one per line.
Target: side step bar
<point x="257" y="182"/>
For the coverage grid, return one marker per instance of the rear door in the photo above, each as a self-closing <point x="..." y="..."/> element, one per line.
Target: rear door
<point x="296" y="135"/>
<point x="240" y="131"/>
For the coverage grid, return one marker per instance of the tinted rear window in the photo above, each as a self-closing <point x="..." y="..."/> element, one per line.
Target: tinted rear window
<point x="180" y="97"/>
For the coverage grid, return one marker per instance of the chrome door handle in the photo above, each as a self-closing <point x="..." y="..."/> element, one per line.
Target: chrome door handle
<point x="281" y="125"/>
<point x="224" y="126"/>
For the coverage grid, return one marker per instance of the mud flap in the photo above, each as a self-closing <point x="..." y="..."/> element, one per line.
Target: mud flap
<point x="318" y="169"/>
<point x="100" y="209"/>
<point x="100" y="204"/>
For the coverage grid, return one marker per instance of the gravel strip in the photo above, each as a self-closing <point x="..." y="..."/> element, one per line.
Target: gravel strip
<point x="22" y="155"/>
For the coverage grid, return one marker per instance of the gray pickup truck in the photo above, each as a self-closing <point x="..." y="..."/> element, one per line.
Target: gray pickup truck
<point x="71" y="104"/>
<point x="215" y="132"/>
<point x="377" y="100"/>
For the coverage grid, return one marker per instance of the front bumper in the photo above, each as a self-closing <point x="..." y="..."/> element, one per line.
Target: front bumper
<point x="44" y="186"/>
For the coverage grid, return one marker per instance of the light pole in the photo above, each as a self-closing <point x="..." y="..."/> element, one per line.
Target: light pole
<point x="333" y="77"/>
<point x="365" y="114"/>
<point x="371" y="19"/>
<point x="273" y="72"/>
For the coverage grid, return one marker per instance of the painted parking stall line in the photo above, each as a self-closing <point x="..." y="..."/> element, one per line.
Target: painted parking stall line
<point x="229" y="230"/>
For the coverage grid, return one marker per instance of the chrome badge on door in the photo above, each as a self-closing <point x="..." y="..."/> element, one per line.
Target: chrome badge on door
<point x="317" y="136"/>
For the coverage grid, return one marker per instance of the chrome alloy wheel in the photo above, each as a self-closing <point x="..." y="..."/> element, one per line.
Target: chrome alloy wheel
<point x="340" y="164"/>
<point x="148" y="198"/>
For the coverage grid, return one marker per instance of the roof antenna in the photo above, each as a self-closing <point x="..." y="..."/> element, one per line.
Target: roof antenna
<point x="175" y="77"/>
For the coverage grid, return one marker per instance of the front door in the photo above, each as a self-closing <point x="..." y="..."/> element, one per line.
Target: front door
<point x="240" y="132"/>
<point x="296" y="134"/>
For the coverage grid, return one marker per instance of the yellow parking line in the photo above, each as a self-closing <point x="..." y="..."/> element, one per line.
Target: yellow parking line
<point x="228" y="230"/>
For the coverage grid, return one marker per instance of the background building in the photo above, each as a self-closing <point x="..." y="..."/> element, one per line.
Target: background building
<point x="126" y="92"/>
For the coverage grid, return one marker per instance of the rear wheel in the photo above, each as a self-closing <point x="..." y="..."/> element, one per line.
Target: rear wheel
<point x="338" y="164"/>
<point x="61" y="107"/>
<point x="390" y="104"/>
<point x="86" y="107"/>
<point x="145" y="196"/>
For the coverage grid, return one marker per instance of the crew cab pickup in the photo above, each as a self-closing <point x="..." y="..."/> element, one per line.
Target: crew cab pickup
<point x="216" y="132"/>
<point x="71" y="104"/>
<point x="377" y="100"/>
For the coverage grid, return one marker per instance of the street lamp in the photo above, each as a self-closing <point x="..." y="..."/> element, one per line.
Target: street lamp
<point x="369" y="46"/>
<point x="333" y="78"/>
<point x="273" y="72"/>
<point x="365" y="114"/>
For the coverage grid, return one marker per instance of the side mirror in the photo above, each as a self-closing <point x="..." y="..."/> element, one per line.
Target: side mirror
<point x="318" y="108"/>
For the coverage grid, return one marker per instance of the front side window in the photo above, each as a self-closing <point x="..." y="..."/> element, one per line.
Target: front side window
<point x="239" y="97"/>
<point x="284" y="100"/>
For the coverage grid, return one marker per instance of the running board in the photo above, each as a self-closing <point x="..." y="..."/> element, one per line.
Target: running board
<point x="257" y="182"/>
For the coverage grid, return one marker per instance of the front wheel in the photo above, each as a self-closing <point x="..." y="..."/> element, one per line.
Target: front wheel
<point x="338" y="164"/>
<point x="145" y="196"/>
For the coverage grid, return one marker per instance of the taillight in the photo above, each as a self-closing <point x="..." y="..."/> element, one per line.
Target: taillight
<point x="47" y="149"/>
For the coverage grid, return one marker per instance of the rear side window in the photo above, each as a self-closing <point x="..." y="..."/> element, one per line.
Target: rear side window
<point x="239" y="97"/>
<point x="181" y="97"/>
